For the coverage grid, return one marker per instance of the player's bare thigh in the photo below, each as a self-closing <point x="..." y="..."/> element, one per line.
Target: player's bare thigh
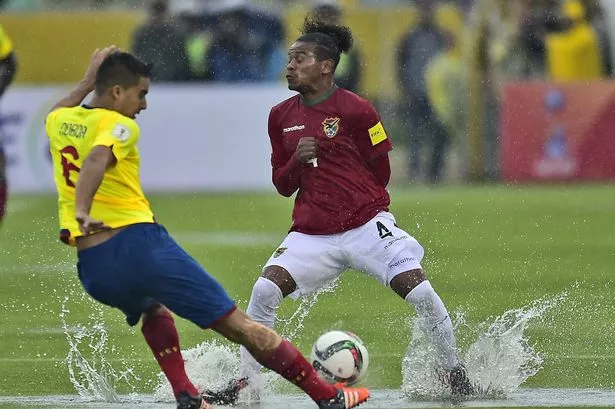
<point x="282" y="278"/>
<point x="406" y="281"/>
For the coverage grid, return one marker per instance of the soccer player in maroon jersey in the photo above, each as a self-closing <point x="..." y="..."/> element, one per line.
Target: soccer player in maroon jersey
<point x="329" y="146"/>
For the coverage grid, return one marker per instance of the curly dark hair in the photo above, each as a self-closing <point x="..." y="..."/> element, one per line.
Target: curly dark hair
<point x="330" y="40"/>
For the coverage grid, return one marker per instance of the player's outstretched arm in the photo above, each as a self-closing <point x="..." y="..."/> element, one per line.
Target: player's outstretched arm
<point x="87" y="84"/>
<point x="90" y="178"/>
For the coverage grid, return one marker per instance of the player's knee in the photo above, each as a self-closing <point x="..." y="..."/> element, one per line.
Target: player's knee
<point x="236" y="327"/>
<point x="404" y="283"/>
<point x="260" y="340"/>
<point x="266" y="296"/>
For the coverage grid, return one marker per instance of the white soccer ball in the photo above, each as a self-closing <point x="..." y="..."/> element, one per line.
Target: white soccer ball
<point x="340" y="357"/>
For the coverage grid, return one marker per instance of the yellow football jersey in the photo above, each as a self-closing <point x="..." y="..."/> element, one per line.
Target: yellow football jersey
<point x="6" y="45"/>
<point x="119" y="201"/>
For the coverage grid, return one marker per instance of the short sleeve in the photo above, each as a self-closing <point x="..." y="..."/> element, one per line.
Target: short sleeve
<point x="50" y="121"/>
<point x="118" y="133"/>
<point x="370" y="135"/>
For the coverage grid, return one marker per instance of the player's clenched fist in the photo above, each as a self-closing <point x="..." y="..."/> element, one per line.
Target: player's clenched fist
<point x="307" y="148"/>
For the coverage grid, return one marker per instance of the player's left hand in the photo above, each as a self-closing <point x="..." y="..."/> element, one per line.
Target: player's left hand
<point x="89" y="225"/>
<point x="98" y="56"/>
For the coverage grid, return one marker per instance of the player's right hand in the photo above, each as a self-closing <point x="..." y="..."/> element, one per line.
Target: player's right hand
<point x="307" y="148"/>
<point x="89" y="225"/>
<point x="98" y="56"/>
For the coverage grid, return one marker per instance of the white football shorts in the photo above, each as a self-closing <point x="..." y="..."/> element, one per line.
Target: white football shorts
<point x="378" y="248"/>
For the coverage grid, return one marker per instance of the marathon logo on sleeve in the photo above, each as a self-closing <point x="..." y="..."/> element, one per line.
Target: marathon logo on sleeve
<point x="377" y="134"/>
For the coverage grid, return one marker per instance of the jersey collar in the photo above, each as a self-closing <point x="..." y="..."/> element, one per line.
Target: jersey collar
<point x="321" y="99"/>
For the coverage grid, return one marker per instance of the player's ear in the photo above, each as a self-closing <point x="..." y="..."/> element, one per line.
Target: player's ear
<point x="116" y="91"/>
<point x="327" y="66"/>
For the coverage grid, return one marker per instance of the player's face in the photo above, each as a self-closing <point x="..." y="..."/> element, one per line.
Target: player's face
<point x="132" y="100"/>
<point x="303" y="69"/>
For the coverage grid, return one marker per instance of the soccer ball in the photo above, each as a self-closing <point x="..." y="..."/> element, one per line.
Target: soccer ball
<point x="340" y="357"/>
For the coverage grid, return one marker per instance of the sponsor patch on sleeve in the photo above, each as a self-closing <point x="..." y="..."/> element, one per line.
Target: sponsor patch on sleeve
<point x="121" y="132"/>
<point x="377" y="134"/>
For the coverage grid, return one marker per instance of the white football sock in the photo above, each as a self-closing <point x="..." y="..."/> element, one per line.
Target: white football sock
<point x="438" y="325"/>
<point x="265" y="299"/>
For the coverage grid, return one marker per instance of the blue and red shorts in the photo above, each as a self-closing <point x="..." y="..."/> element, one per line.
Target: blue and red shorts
<point x="142" y="265"/>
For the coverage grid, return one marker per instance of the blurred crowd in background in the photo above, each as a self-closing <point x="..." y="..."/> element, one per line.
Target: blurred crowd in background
<point x="449" y="80"/>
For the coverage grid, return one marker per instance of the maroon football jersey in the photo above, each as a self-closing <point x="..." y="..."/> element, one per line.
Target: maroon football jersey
<point x="341" y="192"/>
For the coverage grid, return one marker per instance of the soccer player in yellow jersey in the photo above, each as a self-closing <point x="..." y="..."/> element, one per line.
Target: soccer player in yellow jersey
<point x="8" y="68"/>
<point x="128" y="261"/>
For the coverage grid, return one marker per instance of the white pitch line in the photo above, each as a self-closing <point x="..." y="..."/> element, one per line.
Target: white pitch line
<point x="193" y="238"/>
<point x="229" y="238"/>
<point x="63" y="359"/>
<point x="17" y="206"/>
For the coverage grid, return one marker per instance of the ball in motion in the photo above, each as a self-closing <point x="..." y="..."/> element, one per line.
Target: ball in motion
<point x="340" y="357"/>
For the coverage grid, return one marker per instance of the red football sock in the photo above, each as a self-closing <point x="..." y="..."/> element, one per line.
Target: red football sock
<point x="288" y="362"/>
<point x="4" y="195"/>
<point x="161" y="335"/>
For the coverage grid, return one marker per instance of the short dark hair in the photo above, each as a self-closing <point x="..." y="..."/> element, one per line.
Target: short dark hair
<point x="330" y="40"/>
<point x="121" y="68"/>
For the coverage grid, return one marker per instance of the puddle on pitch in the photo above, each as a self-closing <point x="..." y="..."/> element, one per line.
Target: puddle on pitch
<point x="498" y="361"/>
<point x="381" y="399"/>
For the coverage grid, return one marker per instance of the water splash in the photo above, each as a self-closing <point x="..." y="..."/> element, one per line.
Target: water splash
<point x="498" y="362"/>
<point x="288" y="328"/>
<point x="89" y="369"/>
<point x="209" y="365"/>
<point x="421" y="354"/>
<point x="502" y="358"/>
<point x="212" y="366"/>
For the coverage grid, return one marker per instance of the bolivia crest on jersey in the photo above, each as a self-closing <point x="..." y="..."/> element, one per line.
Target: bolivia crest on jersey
<point x="331" y="126"/>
